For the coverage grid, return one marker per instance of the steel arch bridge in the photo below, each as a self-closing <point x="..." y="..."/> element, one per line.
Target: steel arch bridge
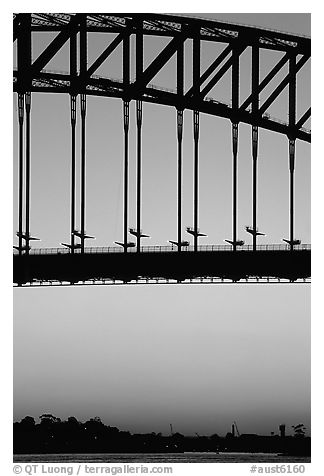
<point x="77" y="262"/>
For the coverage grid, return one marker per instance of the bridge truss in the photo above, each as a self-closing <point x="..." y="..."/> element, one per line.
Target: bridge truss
<point x="81" y="80"/>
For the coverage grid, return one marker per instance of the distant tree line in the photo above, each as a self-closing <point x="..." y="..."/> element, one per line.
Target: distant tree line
<point x="52" y="435"/>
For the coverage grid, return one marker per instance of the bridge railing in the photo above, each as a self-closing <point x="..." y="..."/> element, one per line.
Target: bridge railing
<point x="165" y="249"/>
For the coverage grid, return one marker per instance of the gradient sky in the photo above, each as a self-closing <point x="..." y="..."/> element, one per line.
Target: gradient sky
<point x="141" y="357"/>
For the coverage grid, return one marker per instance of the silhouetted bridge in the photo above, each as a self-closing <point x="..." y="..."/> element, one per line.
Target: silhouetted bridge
<point x="132" y="261"/>
<point x="163" y="264"/>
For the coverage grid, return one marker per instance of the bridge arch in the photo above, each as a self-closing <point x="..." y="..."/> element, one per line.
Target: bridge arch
<point x="73" y="31"/>
<point x="32" y="75"/>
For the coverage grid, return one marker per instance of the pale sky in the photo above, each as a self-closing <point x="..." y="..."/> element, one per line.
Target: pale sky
<point x="141" y="357"/>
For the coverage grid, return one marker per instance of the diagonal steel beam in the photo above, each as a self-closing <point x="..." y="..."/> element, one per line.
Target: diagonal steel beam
<point x="266" y="80"/>
<point x="221" y="72"/>
<point x="211" y="69"/>
<point x="156" y="65"/>
<point x="303" y="119"/>
<point x="282" y="85"/>
<point x="55" y="45"/>
<point x="104" y="55"/>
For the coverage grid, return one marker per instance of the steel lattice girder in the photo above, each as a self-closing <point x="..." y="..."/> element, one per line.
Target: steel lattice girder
<point x="32" y="75"/>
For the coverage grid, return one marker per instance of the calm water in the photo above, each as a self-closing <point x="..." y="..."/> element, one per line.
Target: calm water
<point x="161" y="458"/>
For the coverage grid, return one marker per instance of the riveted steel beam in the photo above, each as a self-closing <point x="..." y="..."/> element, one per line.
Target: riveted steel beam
<point x="126" y="129"/>
<point x="73" y="125"/>
<point x="139" y="173"/>
<point x="83" y="168"/>
<point x="16" y="25"/>
<point x="24" y="54"/>
<point x="291" y="194"/>
<point x="20" y="169"/>
<point x="179" y="136"/>
<point x="235" y="106"/>
<point x="292" y="92"/>
<point x="255" y="134"/>
<point x="180" y="71"/>
<point x="126" y="61"/>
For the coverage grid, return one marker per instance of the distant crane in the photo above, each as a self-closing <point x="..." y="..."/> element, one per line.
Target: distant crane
<point x="237" y="431"/>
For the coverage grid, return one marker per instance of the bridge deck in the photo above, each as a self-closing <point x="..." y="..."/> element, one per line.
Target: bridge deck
<point x="58" y="264"/>
<point x="166" y="249"/>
